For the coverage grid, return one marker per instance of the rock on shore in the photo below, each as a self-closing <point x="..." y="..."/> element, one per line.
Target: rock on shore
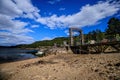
<point x="56" y="50"/>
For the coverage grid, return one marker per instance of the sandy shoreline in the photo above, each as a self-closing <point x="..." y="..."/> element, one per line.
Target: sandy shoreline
<point x="64" y="67"/>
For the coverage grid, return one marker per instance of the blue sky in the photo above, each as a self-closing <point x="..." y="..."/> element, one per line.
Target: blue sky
<point x="27" y="21"/>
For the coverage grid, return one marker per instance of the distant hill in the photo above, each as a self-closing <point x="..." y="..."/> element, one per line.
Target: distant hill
<point x="59" y="41"/>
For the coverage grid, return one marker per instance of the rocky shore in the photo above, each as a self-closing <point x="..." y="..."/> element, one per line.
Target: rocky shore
<point x="64" y="66"/>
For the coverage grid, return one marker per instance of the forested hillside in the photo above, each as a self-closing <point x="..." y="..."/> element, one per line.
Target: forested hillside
<point x="58" y="41"/>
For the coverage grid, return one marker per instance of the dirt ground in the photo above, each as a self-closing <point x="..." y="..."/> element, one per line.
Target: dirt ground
<point x="64" y="67"/>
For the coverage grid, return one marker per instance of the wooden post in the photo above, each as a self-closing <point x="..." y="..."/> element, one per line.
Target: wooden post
<point x="82" y="38"/>
<point x="71" y="38"/>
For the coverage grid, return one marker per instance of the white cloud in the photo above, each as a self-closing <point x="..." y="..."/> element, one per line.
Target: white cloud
<point x="53" y="1"/>
<point x="66" y="32"/>
<point x="35" y="26"/>
<point x="15" y="31"/>
<point x="7" y="7"/>
<point x="8" y="39"/>
<point x="27" y="7"/>
<point x="73" y="33"/>
<point x="87" y="16"/>
<point x="13" y="26"/>
<point x="17" y="8"/>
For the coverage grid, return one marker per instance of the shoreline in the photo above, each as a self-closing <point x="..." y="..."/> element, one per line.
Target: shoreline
<point x="65" y="67"/>
<point x="15" y="54"/>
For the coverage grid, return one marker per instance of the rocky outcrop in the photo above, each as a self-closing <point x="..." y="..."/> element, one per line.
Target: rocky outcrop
<point x="55" y="50"/>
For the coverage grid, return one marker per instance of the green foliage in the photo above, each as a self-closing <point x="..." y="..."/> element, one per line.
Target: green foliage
<point x="113" y="27"/>
<point x="96" y="35"/>
<point x="58" y="41"/>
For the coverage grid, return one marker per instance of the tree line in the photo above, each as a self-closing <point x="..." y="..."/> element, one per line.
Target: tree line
<point x="112" y="32"/>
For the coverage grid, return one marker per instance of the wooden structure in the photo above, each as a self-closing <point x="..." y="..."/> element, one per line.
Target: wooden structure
<point x="81" y="36"/>
<point x="107" y="47"/>
<point x="102" y="47"/>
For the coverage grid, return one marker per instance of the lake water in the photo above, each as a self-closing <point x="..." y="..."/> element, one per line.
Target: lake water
<point x="14" y="54"/>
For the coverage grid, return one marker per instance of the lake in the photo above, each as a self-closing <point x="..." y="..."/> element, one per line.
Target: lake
<point x="14" y="54"/>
